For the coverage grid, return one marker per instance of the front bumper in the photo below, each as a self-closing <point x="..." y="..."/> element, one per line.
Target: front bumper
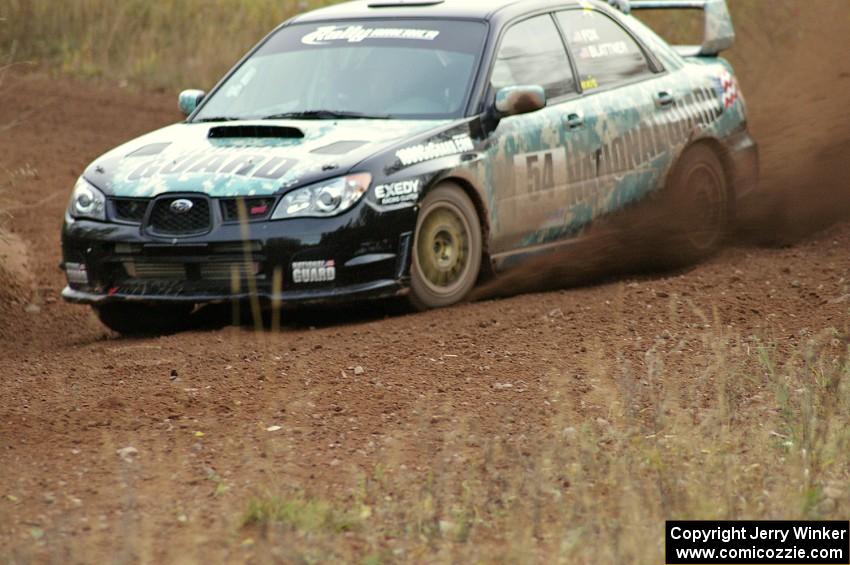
<point x="361" y="254"/>
<point x="371" y="290"/>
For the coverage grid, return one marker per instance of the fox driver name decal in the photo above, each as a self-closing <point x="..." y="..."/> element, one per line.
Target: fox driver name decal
<point x="306" y="272"/>
<point x="358" y="34"/>
<point x="434" y="150"/>
<point x="397" y="192"/>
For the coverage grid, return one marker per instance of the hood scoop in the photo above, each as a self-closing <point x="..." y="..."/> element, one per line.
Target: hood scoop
<point x="255" y="131"/>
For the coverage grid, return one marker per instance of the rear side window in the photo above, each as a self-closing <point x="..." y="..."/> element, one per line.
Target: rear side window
<point x="605" y="54"/>
<point x="532" y="53"/>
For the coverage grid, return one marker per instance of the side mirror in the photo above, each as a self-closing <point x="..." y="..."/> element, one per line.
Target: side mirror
<point x="516" y="100"/>
<point x="189" y="100"/>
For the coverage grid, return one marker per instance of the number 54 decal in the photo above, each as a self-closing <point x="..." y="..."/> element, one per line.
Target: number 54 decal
<point x="541" y="171"/>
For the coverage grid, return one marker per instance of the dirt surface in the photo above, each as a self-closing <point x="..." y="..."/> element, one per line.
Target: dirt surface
<point x="198" y="404"/>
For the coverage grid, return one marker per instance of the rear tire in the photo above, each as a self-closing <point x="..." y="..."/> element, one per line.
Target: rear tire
<point x="447" y="249"/>
<point x="697" y="208"/>
<point x="133" y="319"/>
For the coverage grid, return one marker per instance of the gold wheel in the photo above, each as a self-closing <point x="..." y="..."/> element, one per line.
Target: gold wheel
<point x="447" y="249"/>
<point x="443" y="248"/>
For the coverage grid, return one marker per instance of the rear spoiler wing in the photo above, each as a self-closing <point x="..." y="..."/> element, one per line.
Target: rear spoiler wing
<point x="719" y="33"/>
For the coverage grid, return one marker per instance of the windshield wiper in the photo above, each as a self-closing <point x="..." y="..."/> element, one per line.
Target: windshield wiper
<point x="326" y="115"/>
<point x="219" y="119"/>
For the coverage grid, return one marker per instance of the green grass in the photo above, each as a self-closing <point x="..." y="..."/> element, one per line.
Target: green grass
<point x="303" y="514"/>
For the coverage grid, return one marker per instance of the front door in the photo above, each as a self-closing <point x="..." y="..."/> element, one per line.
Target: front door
<point x="535" y="178"/>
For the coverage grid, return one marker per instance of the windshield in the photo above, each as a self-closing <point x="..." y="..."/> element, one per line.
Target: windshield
<point x="402" y="69"/>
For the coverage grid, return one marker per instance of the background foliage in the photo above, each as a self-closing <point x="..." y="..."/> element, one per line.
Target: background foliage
<point x="166" y="43"/>
<point x="176" y="44"/>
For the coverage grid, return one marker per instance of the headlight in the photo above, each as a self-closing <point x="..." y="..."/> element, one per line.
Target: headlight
<point x="325" y="199"/>
<point x="87" y="202"/>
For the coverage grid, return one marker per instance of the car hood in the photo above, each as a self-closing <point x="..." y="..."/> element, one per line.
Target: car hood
<point x="245" y="158"/>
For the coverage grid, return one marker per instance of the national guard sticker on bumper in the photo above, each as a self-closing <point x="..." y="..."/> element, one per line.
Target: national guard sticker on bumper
<point x="306" y="272"/>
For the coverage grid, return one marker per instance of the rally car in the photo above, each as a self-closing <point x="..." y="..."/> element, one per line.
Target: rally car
<point x="410" y="147"/>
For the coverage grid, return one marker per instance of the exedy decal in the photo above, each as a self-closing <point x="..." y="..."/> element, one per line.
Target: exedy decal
<point x="434" y="150"/>
<point x="357" y="34"/>
<point x="396" y="193"/>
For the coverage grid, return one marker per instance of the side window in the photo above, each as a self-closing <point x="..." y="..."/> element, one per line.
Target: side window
<point x="532" y="52"/>
<point x="605" y="54"/>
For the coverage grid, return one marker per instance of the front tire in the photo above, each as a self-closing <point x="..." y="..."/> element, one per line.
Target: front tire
<point x="133" y="319"/>
<point x="447" y="249"/>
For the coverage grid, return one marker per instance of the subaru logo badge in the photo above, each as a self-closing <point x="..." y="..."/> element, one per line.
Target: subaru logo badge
<point x="181" y="206"/>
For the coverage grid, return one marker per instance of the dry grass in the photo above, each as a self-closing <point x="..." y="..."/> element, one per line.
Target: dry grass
<point x="753" y="431"/>
<point x="167" y="43"/>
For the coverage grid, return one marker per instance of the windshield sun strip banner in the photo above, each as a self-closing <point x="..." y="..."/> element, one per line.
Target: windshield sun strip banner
<point x="441" y="35"/>
<point x="358" y="34"/>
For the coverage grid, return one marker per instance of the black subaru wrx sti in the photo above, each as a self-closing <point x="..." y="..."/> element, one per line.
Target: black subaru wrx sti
<point x="381" y="148"/>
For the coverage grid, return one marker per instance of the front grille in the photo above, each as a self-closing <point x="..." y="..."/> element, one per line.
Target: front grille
<point x="218" y="271"/>
<point x="130" y="209"/>
<point x="226" y="271"/>
<point x="166" y="221"/>
<point x="255" y="208"/>
<point x="155" y="271"/>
